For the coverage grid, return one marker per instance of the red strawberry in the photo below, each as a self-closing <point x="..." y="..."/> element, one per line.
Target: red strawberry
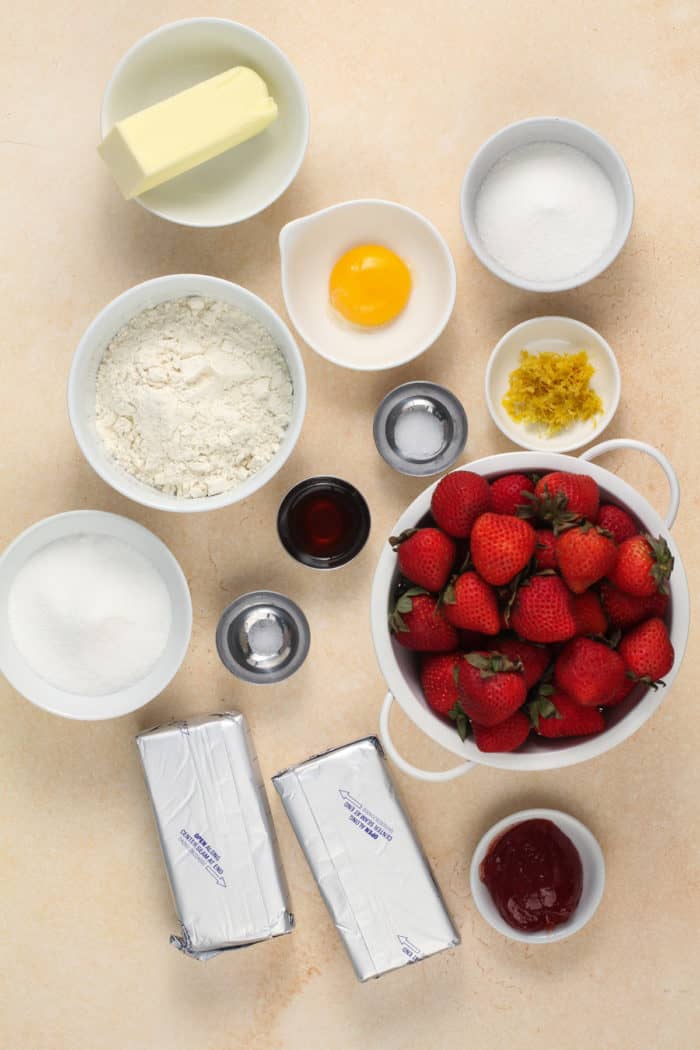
<point x="458" y="500"/>
<point x="491" y="687"/>
<point x="418" y="624"/>
<point x="589" y="671"/>
<point x="545" y="549"/>
<point x="643" y="566"/>
<point x="557" y="715"/>
<point x="543" y="610"/>
<point x="471" y="604"/>
<point x="426" y="557"/>
<point x="584" y="556"/>
<point x="506" y="736"/>
<point x="439" y="682"/>
<point x="507" y="493"/>
<point x="624" y="610"/>
<point x="616" y="521"/>
<point x="534" y="658"/>
<point x="501" y="546"/>
<point x="562" y="498"/>
<point x="589" y="615"/>
<point x="647" y="651"/>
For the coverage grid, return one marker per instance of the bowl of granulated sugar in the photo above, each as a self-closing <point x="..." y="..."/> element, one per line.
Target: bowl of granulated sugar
<point x="547" y="204"/>
<point x="95" y="615"/>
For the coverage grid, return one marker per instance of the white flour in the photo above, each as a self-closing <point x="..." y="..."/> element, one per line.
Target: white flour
<point x="193" y="397"/>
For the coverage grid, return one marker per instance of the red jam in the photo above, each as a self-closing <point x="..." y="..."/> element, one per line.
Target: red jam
<point x="534" y="875"/>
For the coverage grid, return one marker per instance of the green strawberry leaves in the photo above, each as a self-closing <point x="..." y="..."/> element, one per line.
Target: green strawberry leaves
<point x="663" y="562"/>
<point x="542" y="706"/>
<point x="492" y="663"/>
<point x="462" y="723"/>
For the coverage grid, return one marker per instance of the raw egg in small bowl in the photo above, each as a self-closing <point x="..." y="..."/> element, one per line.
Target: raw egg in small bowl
<point x="368" y="284"/>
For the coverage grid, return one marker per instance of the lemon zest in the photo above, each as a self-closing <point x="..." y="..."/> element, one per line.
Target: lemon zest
<point x="552" y="391"/>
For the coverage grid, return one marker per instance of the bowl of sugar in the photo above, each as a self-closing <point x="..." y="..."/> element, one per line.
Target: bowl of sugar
<point x="547" y="204"/>
<point x="95" y="615"/>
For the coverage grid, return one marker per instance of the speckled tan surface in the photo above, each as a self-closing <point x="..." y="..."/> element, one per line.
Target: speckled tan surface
<point x="401" y="95"/>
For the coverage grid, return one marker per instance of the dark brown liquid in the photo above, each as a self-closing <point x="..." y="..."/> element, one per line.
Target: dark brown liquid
<point x="323" y="522"/>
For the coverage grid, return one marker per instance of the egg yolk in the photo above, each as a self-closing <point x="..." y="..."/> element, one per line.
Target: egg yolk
<point x="370" y="285"/>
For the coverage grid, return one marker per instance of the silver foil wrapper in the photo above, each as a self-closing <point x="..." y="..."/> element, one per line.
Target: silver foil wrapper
<point x="216" y="833"/>
<point x="366" y="859"/>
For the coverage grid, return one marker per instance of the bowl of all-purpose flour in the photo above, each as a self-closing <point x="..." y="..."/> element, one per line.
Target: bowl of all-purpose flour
<point x="95" y="615"/>
<point x="547" y="204"/>
<point x="187" y="393"/>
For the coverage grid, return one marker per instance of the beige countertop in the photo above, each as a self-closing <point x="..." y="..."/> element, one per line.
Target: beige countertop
<point x="401" y="94"/>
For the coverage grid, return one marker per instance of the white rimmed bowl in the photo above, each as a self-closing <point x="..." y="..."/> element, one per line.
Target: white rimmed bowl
<point x="245" y="180"/>
<point x="563" y="335"/>
<point x="548" y="129"/>
<point x="400" y="668"/>
<point x="92" y="708"/>
<point x="86" y="361"/>
<point x="310" y="247"/>
<point x="592" y="863"/>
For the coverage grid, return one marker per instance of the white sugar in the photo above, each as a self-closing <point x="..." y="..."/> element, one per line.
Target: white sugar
<point x="546" y="212"/>
<point x="418" y="435"/>
<point x="266" y="637"/>
<point x="89" y="614"/>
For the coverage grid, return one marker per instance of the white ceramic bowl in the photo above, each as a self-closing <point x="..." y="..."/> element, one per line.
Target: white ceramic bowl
<point x="86" y="361"/>
<point x="310" y="247"/>
<point x="562" y="335"/>
<point x="92" y="708"/>
<point x="245" y="180"/>
<point x="548" y="129"/>
<point x="399" y="666"/>
<point x="592" y="862"/>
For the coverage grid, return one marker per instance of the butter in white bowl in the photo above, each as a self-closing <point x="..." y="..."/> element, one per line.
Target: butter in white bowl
<point x="177" y="134"/>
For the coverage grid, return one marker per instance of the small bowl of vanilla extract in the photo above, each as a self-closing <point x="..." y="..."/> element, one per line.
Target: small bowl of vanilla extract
<point x="323" y="522"/>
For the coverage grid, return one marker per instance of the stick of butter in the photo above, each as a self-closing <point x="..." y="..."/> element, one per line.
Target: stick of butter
<point x="177" y="134"/>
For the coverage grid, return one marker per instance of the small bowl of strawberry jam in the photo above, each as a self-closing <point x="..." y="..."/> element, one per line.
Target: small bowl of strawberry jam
<point x="538" y="875"/>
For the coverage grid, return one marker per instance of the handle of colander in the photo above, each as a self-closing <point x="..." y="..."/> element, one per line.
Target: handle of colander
<point x="406" y="767"/>
<point x="642" y="446"/>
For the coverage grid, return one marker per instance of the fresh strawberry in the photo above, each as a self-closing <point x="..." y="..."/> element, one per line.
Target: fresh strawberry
<point x="563" y="498"/>
<point x="545" y="549"/>
<point x="557" y="715"/>
<point x="534" y="658"/>
<point x="584" y="556"/>
<point x="506" y="736"/>
<point x="643" y="566"/>
<point x="589" y="615"/>
<point x="647" y="651"/>
<point x="438" y="677"/>
<point x="470" y="603"/>
<point x="507" y="493"/>
<point x="426" y="557"/>
<point x="543" y="610"/>
<point x="501" y="546"/>
<point x="418" y="623"/>
<point x="491" y="687"/>
<point x="458" y="500"/>
<point x="589" y="671"/>
<point x="624" y="610"/>
<point x="616" y="521"/>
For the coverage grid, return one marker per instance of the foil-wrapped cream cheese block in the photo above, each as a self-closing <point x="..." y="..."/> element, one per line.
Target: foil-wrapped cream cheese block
<point x="216" y="833"/>
<point x="366" y="859"/>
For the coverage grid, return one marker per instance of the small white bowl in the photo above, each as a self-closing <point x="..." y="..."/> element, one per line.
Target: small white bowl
<point x="310" y="247"/>
<point x="548" y="129"/>
<point x="592" y="861"/>
<point x="93" y="708"/>
<point x="245" y="180"/>
<point x="563" y="335"/>
<point x="86" y="361"/>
